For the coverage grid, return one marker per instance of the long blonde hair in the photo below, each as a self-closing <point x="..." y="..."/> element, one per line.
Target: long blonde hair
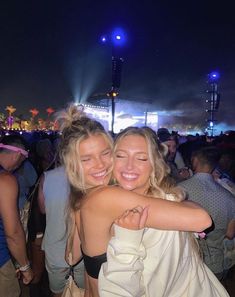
<point x="76" y="126"/>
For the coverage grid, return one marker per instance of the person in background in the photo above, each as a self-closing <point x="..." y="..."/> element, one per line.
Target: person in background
<point x="12" y="237"/>
<point x="26" y="176"/>
<point x="174" y="159"/>
<point x="53" y="199"/>
<point x="220" y="204"/>
<point x="45" y="155"/>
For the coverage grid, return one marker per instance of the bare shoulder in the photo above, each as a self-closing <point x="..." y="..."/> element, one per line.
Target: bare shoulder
<point x="9" y="188"/>
<point x="110" y="197"/>
<point x="105" y="192"/>
<point x="8" y="179"/>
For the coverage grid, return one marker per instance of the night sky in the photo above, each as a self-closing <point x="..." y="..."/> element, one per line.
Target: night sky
<point x="51" y="53"/>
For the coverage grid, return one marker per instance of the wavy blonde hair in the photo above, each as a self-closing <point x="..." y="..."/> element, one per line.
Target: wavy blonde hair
<point x="75" y="127"/>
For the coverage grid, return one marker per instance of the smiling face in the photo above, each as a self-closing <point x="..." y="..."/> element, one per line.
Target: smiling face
<point x="132" y="167"/>
<point x="96" y="160"/>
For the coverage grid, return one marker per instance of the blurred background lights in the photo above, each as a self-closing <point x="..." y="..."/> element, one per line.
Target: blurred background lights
<point x="103" y="39"/>
<point x="214" y="76"/>
<point x="118" y="37"/>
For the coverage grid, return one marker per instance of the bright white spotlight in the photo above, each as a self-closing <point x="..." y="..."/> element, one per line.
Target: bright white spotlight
<point x="103" y="39"/>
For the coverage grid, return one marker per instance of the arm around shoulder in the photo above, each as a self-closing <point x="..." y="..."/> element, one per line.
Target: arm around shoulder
<point x="162" y="214"/>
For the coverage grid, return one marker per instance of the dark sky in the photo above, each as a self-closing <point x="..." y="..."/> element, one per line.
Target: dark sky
<point x="50" y="53"/>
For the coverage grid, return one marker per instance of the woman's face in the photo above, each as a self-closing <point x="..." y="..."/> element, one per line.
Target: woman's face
<point x="96" y="160"/>
<point x="132" y="167"/>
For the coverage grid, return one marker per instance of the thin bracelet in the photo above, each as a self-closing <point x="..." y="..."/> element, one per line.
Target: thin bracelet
<point x="24" y="268"/>
<point x="39" y="235"/>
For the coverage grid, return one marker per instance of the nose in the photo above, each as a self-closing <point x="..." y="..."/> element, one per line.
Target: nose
<point x="130" y="163"/>
<point x="99" y="163"/>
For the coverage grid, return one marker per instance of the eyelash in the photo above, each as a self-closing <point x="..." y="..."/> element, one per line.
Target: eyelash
<point x="106" y="153"/>
<point x="119" y="156"/>
<point x="139" y="159"/>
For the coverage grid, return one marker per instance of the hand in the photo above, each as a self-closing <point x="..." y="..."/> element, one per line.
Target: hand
<point x="27" y="276"/>
<point x="184" y="173"/>
<point x="133" y="219"/>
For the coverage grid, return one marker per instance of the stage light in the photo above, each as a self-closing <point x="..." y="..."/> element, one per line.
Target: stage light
<point x="118" y="37"/>
<point x="103" y="39"/>
<point x="214" y="76"/>
<point x="112" y="94"/>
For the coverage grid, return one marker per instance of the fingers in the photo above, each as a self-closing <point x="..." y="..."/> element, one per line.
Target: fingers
<point x="136" y="209"/>
<point x="134" y="218"/>
<point x="143" y="217"/>
<point x="27" y="276"/>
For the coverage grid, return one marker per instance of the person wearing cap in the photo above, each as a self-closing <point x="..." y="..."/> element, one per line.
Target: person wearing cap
<point x="12" y="238"/>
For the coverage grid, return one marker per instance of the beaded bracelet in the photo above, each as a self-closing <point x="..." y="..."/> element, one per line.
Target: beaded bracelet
<point x="24" y="268"/>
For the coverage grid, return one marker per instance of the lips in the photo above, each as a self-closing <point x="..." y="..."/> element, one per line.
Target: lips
<point x="100" y="174"/>
<point x="129" y="176"/>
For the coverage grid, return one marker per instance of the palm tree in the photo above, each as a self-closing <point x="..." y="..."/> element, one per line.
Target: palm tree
<point x="11" y="109"/>
<point x="49" y="111"/>
<point x="33" y="112"/>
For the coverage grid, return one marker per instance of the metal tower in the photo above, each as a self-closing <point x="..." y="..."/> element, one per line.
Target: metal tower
<point x="213" y="102"/>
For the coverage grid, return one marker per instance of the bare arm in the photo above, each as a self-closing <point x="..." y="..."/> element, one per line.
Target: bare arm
<point x="41" y="198"/>
<point x="162" y="214"/>
<point x="12" y="226"/>
<point x="230" y="234"/>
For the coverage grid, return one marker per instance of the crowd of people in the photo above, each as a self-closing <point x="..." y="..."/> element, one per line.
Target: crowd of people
<point x="142" y="212"/>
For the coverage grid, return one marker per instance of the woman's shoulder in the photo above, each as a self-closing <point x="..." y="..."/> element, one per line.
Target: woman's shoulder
<point x="7" y="178"/>
<point x="101" y="199"/>
<point x="103" y="191"/>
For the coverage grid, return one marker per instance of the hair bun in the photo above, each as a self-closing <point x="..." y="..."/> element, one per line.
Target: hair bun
<point x="67" y="117"/>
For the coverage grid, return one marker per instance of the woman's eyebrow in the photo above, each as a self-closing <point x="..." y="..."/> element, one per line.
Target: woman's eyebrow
<point x="84" y="156"/>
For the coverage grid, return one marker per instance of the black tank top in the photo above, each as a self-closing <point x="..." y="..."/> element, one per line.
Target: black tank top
<point x="93" y="264"/>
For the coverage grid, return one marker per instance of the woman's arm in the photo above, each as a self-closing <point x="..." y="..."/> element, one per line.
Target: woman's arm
<point x="13" y="230"/>
<point x="111" y="202"/>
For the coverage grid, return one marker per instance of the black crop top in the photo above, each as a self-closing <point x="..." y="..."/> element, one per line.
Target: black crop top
<point x="93" y="264"/>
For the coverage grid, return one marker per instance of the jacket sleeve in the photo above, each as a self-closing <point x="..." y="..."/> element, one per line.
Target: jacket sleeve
<point x="121" y="275"/>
